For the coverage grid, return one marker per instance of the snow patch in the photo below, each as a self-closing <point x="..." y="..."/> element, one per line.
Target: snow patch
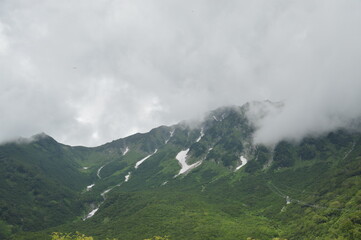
<point x="214" y="117"/>
<point x="164" y="183"/>
<point x="170" y="136"/>
<point x="98" y="172"/>
<point x="126" y="150"/>
<point x="182" y="158"/>
<point x="200" y="137"/>
<point x="348" y="152"/>
<point x="85" y="168"/>
<point x="283" y="209"/>
<point x="91" y="214"/>
<point x="288" y="200"/>
<point x="105" y="192"/>
<point x="142" y="160"/>
<point x="88" y="188"/>
<point x="127" y="177"/>
<point x="243" y="162"/>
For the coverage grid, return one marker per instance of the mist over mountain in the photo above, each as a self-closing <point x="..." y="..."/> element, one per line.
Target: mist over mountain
<point x="88" y="72"/>
<point x="275" y="122"/>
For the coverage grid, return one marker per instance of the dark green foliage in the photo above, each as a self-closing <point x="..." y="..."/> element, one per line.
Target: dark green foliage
<point x="228" y="159"/>
<point x="5" y="230"/>
<point x="214" y="154"/>
<point x="39" y="184"/>
<point x="262" y="154"/>
<point x="197" y="149"/>
<point x="307" y="152"/>
<point x="232" y="143"/>
<point x="262" y="148"/>
<point x="252" y="166"/>
<point x="180" y="136"/>
<point x="340" y="138"/>
<point x="112" y="167"/>
<point x="283" y="155"/>
<point x="220" y="155"/>
<point x="154" y="139"/>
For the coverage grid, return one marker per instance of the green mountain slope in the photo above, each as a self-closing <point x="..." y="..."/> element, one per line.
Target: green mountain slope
<point x="317" y="197"/>
<point x="204" y="180"/>
<point x="39" y="184"/>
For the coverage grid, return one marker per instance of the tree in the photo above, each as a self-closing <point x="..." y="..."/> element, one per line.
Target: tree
<point x="80" y="236"/>
<point x="283" y="155"/>
<point x="5" y="230"/>
<point x="307" y="152"/>
<point x="158" y="238"/>
<point x="69" y="236"/>
<point x="252" y="166"/>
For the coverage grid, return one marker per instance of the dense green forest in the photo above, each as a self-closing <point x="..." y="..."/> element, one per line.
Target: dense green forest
<point x="308" y="189"/>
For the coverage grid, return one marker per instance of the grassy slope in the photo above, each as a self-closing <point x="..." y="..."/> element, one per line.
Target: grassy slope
<point x="213" y="201"/>
<point x="39" y="184"/>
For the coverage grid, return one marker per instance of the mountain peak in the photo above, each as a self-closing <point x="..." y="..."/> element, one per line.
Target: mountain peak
<point x="41" y="137"/>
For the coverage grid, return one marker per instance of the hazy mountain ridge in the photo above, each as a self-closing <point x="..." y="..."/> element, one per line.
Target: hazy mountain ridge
<point x="214" y="198"/>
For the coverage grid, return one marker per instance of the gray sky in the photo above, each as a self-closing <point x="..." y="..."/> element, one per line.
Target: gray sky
<point x="90" y="71"/>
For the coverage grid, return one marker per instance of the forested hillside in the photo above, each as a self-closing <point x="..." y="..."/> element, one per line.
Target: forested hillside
<point x="202" y="180"/>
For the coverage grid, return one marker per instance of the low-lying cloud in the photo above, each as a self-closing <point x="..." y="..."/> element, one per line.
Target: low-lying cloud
<point x="91" y="71"/>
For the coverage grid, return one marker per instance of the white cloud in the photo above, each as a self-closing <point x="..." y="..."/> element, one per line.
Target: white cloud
<point x="91" y="71"/>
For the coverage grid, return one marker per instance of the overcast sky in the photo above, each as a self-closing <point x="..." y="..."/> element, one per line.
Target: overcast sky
<point x="90" y="71"/>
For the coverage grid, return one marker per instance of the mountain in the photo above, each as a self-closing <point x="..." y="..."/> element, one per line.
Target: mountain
<point x="192" y="180"/>
<point x="39" y="183"/>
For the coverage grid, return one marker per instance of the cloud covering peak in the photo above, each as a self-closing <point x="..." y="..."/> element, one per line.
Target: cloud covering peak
<point x="88" y="71"/>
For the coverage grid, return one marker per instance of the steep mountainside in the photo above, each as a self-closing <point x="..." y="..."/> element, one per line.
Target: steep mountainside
<point x="39" y="183"/>
<point x="204" y="180"/>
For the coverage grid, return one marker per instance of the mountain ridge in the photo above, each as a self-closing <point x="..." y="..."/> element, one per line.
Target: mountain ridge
<point x="202" y="181"/>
